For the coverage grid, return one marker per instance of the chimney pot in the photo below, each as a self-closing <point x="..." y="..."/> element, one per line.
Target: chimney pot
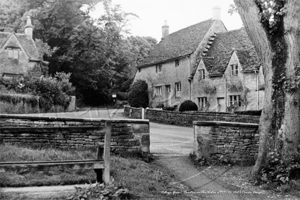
<point x="216" y="13"/>
<point x="28" y="27"/>
<point x="165" y="29"/>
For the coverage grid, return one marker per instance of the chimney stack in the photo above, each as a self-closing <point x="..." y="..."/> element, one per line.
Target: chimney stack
<point x="216" y="13"/>
<point x="28" y="27"/>
<point x="165" y="30"/>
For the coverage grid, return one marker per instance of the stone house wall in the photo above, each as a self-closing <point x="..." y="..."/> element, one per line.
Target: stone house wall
<point x="171" y="74"/>
<point x="218" y="100"/>
<point x="70" y="133"/>
<point x="168" y="76"/>
<point x="227" y="142"/>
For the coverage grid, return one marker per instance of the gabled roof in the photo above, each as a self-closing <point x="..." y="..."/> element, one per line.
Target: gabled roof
<point x="178" y="44"/>
<point x="26" y="42"/>
<point x="224" y="44"/>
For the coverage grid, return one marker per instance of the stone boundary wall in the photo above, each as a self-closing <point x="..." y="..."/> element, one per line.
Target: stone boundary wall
<point x="186" y="118"/>
<point x="70" y="133"/>
<point x="226" y="142"/>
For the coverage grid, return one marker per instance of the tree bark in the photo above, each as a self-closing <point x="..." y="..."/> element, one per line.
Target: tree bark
<point x="250" y="16"/>
<point x="291" y="126"/>
<point x="286" y="132"/>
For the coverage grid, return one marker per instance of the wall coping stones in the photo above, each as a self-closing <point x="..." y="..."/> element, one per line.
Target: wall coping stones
<point x="223" y="123"/>
<point x="33" y="118"/>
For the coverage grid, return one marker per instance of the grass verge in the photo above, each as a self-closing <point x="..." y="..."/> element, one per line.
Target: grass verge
<point x="143" y="180"/>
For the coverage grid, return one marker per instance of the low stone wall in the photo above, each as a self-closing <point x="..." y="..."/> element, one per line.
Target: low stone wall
<point x="70" y="133"/>
<point x="24" y="104"/>
<point x="187" y="118"/>
<point x="229" y="142"/>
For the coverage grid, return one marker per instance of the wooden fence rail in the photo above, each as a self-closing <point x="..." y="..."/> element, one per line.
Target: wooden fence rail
<point x="101" y="165"/>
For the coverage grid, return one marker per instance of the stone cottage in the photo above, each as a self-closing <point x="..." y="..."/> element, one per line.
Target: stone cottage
<point x="229" y="75"/>
<point x="19" y="54"/>
<point x="217" y="69"/>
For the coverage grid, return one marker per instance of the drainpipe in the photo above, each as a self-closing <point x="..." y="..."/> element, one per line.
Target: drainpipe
<point x="225" y="89"/>
<point x="190" y="83"/>
<point x="190" y="78"/>
<point x="257" y="89"/>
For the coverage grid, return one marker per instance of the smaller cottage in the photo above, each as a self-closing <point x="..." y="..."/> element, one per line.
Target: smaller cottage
<point x="19" y="54"/>
<point x="229" y="75"/>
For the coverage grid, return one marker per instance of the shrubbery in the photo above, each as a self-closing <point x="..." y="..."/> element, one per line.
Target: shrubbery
<point x="188" y="105"/>
<point x="278" y="172"/>
<point x="51" y="90"/>
<point x="138" y="94"/>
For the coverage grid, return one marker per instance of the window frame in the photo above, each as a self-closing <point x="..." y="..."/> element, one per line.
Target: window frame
<point x="202" y="102"/>
<point x="158" y="68"/>
<point x="178" y="89"/>
<point x="177" y="62"/>
<point x="158" y="90"/>
<point x="234" y="69"/>
<point x="168" y="88"/>
<point x="201" y="74"/>
<point x="233" y="99"/>
<point x="13" y="53"/>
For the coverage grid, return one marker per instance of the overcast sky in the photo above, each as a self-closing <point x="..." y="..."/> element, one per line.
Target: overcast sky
<point x="178" y="13"/>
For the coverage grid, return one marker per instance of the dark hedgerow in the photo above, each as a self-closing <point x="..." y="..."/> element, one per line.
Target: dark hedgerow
<point x="188" y="105"/>
<point x="138" y="94"/>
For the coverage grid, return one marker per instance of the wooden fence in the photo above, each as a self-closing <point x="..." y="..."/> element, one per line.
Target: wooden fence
<point x="101" y="164"/>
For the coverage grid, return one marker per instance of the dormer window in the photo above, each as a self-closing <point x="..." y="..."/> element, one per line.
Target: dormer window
<point x="13" y="53"/>
<point x="234" y="70"/>
<point x="177" y="62"/>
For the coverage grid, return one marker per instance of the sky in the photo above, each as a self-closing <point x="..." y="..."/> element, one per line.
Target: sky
<point x="178" y="13"/>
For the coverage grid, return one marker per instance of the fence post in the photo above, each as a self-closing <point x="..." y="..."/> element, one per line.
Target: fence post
<point x="106" y="155"/>
<point x="99" y="172"/>
<point x="143" y="113"/>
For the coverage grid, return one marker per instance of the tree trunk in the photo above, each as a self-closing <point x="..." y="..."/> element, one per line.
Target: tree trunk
<point x="291" y="126"/>
<point x="279" y="53"/>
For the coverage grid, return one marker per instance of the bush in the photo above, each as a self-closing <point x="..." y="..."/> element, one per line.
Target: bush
<point x="51" y="90"/>
<point x="279" y="172"/>
<point x="188" y="105"/>
<point x="138" y="94"/>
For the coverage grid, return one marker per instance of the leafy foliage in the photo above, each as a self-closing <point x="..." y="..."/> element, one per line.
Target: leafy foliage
<point x="279" y="171"/>
<point x="234" y="85"/>
<point x="209" y="88"/>
<point x="51" y="90"/>
<point x="15" y="99"/>
<point x="97" y="52"/>
<point x="138" y="94"/>
<point x="188" y="105"/>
